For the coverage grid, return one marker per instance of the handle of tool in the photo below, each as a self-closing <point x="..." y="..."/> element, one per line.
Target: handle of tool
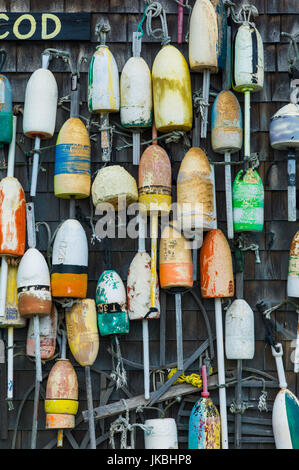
<point x="221" y="373"/>
<point x="180" y="22"/>
<point x="247" y="123"/>
<point x="206" y="92"/>
<point x="279" y="365"/>
<point x="179" y="332"/>
<point x="145" y="338"/>
<point x="105" y="138"/>
<point x="35" y="167"/>
<point x="228" y="195"/>
<point x="204" y="393"/>
<point x="291" y="189"/>
<point x="91" y="425"/>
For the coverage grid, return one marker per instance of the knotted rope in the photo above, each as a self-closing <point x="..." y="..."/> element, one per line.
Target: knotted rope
<point x="155" y="10"/>
<point x="118" y="373"/>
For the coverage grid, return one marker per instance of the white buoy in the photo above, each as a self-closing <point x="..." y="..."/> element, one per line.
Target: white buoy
<point x="163" y="434"/>
<point x="239" y="331"/>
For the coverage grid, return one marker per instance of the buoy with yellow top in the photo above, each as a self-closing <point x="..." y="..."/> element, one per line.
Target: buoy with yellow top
<point x="6" y="126"/>
<point x="83" y="340"/>
<point x="207" y="45"/>
<point x="217" y="281"/>
<point x="175" y="267"/>
<point x="103" y="87"/>
<point x="227" y="136"/>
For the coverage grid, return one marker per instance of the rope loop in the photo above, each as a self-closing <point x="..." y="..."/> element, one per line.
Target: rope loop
<point x="155" y="10"/>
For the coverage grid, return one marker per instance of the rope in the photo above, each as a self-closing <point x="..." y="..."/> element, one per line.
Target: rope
<point x="118" y="373"/>
<point x="293" y="52"/>
<point x="173" y="136"/>
<point x="156" y="10"/>
<point x="193" y="379"/>
<point x="240" y="408"/>
<point x="244" y="14"/>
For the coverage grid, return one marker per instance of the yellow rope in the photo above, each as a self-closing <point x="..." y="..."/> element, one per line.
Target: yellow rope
<point x="193" y="379"/>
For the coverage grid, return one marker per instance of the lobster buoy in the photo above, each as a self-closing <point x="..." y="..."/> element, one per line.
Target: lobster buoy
<point x="293" y="271"/>
<point x="34" y="293"/>
<point x="175" y="259"/>
<point x="40" y="105"/>
<point x="239" y="331"/>
<point x="195" y="193"/>
<point x="162" y="435"/>
<point x="12" y="317"/>
<point x="207" y="36"/>
<point x="136" y="108"/>
<point x="154" y="180"/>
<point x="284" y="128"/>
<point x="138" y="288"/>
<point x="226" y="130"/>
<point x="82" y="331"/>
<point x="112" y="185"/>
<point x="171" y="91"/>
<point x="70" y="261"/>
<point x="103" y="82"/>
<point x="12" y="217"/>
<point x="248" y="62"/>
<point x="5" y="111"/>
<point x="111" y="301"/>
<point x="61" y="404"/>
<point x="216" y="267"/>
<point x="48" y="332"/>
<point x="72" y="161"/>
<point x="248" y="201"/>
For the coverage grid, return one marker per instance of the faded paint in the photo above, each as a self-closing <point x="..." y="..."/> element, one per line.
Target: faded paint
<point x="285" y="420"/>
<point x="48" y="331"/>
<point x="248" y="201"/>
<point x="293" y="269"/>
<point x="114" y="183"/>
<point x="171" y="91"/>
<point x="216" y="267"/>
<point x="12" y="217"/>
<point x="82" y="331"/>
<point x="204" y="426"/>
<point x="284" y="128"/>
<point x="239" y="331"/>
<point x="163" y="434"/>
<point x="5" y="111"/>
<point x="12" y="316"/>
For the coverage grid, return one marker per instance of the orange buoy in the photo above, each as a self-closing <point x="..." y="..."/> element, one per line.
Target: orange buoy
<point x="175" y="258"/>
<point x="216" y="267"/>
<point x="61" y="402"/>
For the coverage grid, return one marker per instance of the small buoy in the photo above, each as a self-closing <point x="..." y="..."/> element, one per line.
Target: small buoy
<point x="113" y="184"/>
<point x="40" y="105"/>
<point x="248" y="61"/>
<point x="248" y="201"/>
<point x="195" y="192"/>
<point x="136" y="108"/>
<point x="154" y="180"/>
<point x="47" y="331"/>
<point x="175" y="259"/>
<point x="34" y="293"/>
<point x="226" y="127"/>
<point x="111" y="301"/>
<point x="103" y="82"/>
<point x="61" y="404"/>
<point x="82" y="331"/>
<point x="293" y="271"/>
<point x="171" y="91"/>
<point x="284" y="128"/>
<point x="70" y="261"/>
<point x="239" y="331"/>
<point x="163" y="434"/>
<point x="12" y="317"/>
<point x="72" y="161"/>
<point x="216" y="266"/>
<point x="12" y="217"/>
<point x="207" y="36"/>
<point x="5" y="111"/>
<point x="138" y="288"/>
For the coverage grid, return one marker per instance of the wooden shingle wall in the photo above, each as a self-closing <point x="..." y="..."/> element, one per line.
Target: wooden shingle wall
<point x="265" y="280"/>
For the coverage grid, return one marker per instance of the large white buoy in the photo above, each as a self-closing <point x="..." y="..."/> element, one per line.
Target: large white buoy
<point x="163" y="435"/>
<point x="70" y="261"/>
<point x="239" y="331"/>
<point x="40" y="105"/>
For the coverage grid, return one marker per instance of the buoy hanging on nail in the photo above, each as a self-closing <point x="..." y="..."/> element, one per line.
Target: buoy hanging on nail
<point x="138" y="288"/>
<point x="163" y="435"/>
<point x="248" y="201"/>
<point x="239" y="331"/>
<point x="5" y="111"/>
<point x="216" y="268"/>
<point x="34" y="293"/>
<point x="111" y="301"/>
<point x="195" y="193"/>
<point x="82" y="331"/>
<point x="72" y="161"/>
<point x="171" y="91"/>
<point x="61" y="404"/>
<point x="70" y="261"/>
<point x="48" y="333"/>
<point x="113" y="184"/>
<point x="293" y="270"/>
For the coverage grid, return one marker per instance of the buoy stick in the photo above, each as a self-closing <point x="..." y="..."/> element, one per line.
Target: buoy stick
<point x="154" y="238"/>
<point x="180" y="22"/>
<point x="292" y="216"/>
<point x="247" y="123"/>
<point x="195" y="143"/>
<point x="206" y="92"/>
<point x="296" y="358"/>
<point x="279" y="365"/>
<point x="136" y="46"/>
<point x="179" y="333"/>
<point x="35" y="167"/>
<point x="35" y="414"/>
<point x="221" y="373"/>
<point x="38" y="363"/>
<point x="92" y="434"/>
<point x="105" y="138"/>
<point x="10" y="366"/>
<point x="228" y="194"/>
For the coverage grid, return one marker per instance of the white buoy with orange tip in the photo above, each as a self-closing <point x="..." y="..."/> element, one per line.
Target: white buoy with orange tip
<point x="217" y="281"/>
